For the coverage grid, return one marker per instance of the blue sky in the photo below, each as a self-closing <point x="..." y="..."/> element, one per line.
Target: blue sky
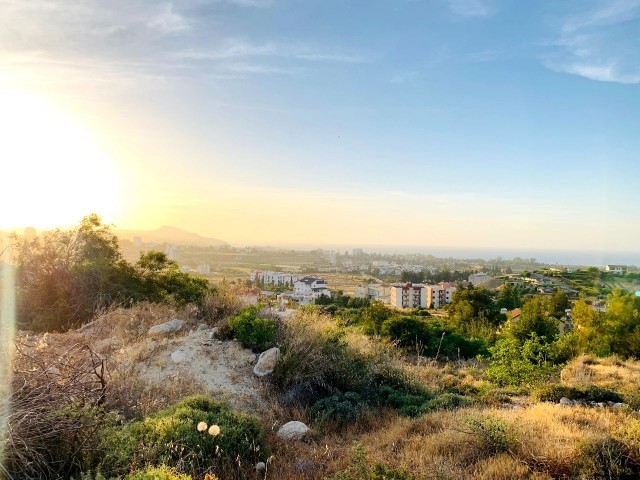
<point x="404" y="122"/>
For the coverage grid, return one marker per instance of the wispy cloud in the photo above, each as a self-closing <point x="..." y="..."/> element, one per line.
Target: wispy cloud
<point x="240" y="47"/>
<point x="471" y="8"/>
<point x="600" y="44"/>
<point x="169" y="21"/>
<point x="404" y="78"/>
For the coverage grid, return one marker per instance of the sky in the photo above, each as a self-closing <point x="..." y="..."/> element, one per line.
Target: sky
<point x="451" y="123"/>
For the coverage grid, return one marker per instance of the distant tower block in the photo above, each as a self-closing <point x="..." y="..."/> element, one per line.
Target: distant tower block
<point x="29" y="233"/>
<point x="137" y="242"/>
<point x="172" y="251"/>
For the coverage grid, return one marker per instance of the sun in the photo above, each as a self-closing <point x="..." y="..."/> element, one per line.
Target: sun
<point x="52" y="171"/>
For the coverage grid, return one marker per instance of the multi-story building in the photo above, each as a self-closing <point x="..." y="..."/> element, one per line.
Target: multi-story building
<point x="440" y="295"/>
<point x="274" y="278"/>
<point x="408" y="295"/>
<point x="373" y="292"/>
<point x="204" y="269"/>
<point x="308" y="289"/>
<point x="478" y="278"/>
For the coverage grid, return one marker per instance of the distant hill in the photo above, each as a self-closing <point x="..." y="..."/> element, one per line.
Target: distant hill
<point x="173" y="235"/>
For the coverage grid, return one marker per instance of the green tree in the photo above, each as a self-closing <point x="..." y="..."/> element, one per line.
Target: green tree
<point x="375" y="315"/>
<point x="473" y="310"/>
<point x="535" y="318"/>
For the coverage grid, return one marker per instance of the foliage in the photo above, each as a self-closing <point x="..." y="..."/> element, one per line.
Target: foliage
<point x="64" y="277"/>
<point x="510" y="297"/>
<point x="252" y="330"/>
<point x="158" y="473"/>
<point x="535" y="319"/>
<point x="495" y="434"/>
<point x="341" y="408"/>
<point x="472" y="311"/>
<point x="375" y="315"/>
<point x="429" y="338"/>
<point x="513" y="363"/>
<point x="593" y="393"/>
<point x="171" y="437"/>
<point x="606" y="458"/>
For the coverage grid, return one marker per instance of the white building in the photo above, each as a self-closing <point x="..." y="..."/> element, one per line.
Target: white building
<point x="274" y="278"/>
<point x="204" y="269"/>
<point x="618" y="269"/>
<point x="185" y="269"/>
<point x="408" y="295"/>
<point x="440" y="295"/>
<point x="478" y="278"/>
<point x="172" y="251"/>
<point x="376" y="292"/>
<point x="308" y="289"/>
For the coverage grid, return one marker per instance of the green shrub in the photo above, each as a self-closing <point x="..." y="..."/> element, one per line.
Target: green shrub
<point x="157" y="473"/>
<point x="554" y="392"/>
<point x="494" y="433"/>
<point x="342" y="408"/>
<point x="448" y="401"/>
<point x="253" y="331"/>
<point x="171" y="437"/>
<point x="606" y="458"/>
<point x="513" y="363"/>
<point x="429" y="338"/>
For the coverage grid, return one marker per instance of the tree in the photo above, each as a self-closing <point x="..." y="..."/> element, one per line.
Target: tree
<point x="473" y="310"/>
<point x="535" y="318"/>
<point x="375" y="315"/>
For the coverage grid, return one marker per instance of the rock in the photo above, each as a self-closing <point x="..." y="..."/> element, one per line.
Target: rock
<point x="166" y="328"/>
<point x="212" y="333"/>
<point x="566" y="401"/>
<point x="619" y="405"/>
<point x="202" y="326"/>
<point x="599" y="405"/>
<point x="179" y="356"/>
<point x="52" y="371"/>
<point x="266" y="362"/>
<point x="260" y="467"/>
<point x="293" y="431"/>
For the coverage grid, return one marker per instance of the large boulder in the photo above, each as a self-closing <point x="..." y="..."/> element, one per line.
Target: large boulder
<point x="266" y="362"/>
<point x="293" y="431"/>
<point x="179" y="356"/>
<point x="166" y="328"/>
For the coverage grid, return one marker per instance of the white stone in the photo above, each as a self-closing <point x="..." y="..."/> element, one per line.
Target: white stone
<point x="172" y="326"/>
<point x="618" y="405"/>
<point x="566" y="401"/>
<point x="52" y="371"/>
<point x="267" y="362"/>
<point x="260" y="467"/>
<point x="179" y="356"/>
<point x="293" y="430"/>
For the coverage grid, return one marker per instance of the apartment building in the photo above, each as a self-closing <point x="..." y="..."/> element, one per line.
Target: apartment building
<point x="439" y="295"/>
<point x="408" y="295"/>
<point x="274" y="278"/>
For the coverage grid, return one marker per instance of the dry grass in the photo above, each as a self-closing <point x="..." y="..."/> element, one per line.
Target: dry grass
<point x="547" y="443"/>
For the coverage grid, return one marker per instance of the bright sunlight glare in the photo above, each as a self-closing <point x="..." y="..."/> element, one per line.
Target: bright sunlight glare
<point x="53" y="173"/>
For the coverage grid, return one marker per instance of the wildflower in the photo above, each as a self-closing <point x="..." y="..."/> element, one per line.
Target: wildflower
<point x="202" y="426"/>
<point x="214" y="430"/>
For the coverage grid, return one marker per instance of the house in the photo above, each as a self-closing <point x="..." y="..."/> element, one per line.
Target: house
<point x="617" y="269"/>
<point x="308" y="289"/>
<point x="478" y="278"/>
<point x="273" y="278"/>
<point x="374" y="292"/>
<point x="408" y="295"/>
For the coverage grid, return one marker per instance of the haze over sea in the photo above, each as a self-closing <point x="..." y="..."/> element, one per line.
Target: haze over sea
<point x="562" y="257"/>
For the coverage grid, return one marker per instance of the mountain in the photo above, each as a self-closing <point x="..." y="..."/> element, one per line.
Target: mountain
<point x="173" y="235"/>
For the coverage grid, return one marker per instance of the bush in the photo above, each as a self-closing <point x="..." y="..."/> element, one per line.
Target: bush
<point x="253" y="331"/>
<point x="342" y="408"/>
<point x="429" y="338"/>
<point x="448" y="401"/>
<point x="606" y="458"/>
<point x="171" y="437"/>
<point x="494" y="433"/>
<point x="360" y="469"/>
<point x="157" y="473"/>
<point x="554" y="392"/>
<point x="515" y="364"/>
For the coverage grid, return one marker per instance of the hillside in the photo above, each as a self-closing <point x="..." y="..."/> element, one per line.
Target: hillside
<point x="173" y="235"/>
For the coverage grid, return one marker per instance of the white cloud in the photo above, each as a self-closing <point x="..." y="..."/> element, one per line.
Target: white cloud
<point x="239" y="47"/>
<point x="600" y="44"/>
<point x="168" y="21"/>
<point x="470" y="8"/>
